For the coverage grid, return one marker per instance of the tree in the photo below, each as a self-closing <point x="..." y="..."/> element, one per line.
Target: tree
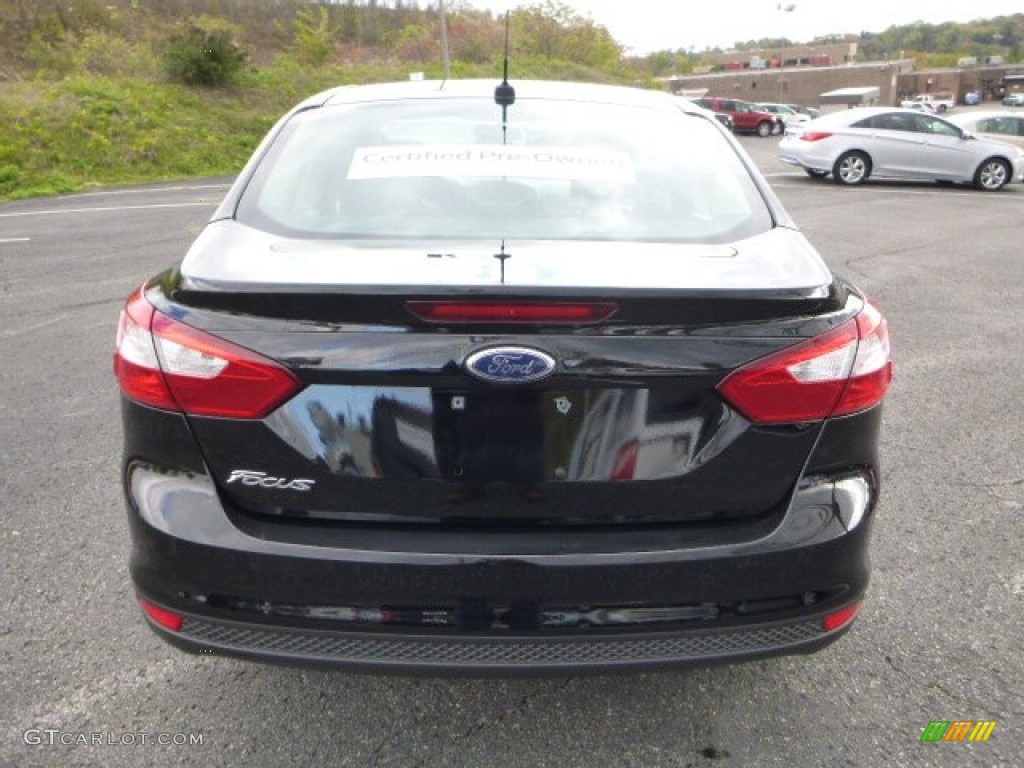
<point x="314" y="35"/>
<point x="413" y="43"/>
<point x="553" y="30"/>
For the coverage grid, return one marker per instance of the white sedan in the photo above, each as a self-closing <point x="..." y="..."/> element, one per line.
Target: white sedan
<point x="999" y="126"/>
<point x="788" y="116"/>
<point x="856" y="144"/>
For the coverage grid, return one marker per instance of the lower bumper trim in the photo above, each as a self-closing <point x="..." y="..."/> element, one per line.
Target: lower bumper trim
<point x="411" y="652"/>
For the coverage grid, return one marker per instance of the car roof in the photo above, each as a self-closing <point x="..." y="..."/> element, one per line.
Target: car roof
<point x="971" y="117"/>
<point x="847" y="116"/>
<point x="481" y="88"/>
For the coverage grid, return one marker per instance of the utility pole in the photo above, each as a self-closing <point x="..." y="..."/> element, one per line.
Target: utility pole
<point x="783" y="8"/>
<point x="444" y="40"/>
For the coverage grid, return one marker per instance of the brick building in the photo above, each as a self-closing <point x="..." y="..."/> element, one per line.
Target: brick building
<point x="818" y="54"/>
<point x="798" y="85"/>
<point x="803" y="84"/>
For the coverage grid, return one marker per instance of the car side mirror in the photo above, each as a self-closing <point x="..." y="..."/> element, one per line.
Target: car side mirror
<point x="966" y="135"/>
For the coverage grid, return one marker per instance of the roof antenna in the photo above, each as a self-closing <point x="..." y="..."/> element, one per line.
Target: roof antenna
<point x="504" y="97"/>
<point x="503" y="257"/>
<point x="505" y="94"/>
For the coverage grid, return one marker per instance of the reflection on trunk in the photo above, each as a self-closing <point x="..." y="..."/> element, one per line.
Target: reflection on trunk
<point x="523" y="437"/>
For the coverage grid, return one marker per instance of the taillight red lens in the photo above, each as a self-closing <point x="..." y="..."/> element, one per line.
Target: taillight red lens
<point x="162" y="616"/>
<point x="135" y="362"/>
<point x="839" y="619"/>
<point x="167" y="364"/>
<point x="511" y="312"/>
<point x="872" y="368"/>
<point x="841" y="372"/>
<point x="212" y="377"/>
<point x="814" y="136"/>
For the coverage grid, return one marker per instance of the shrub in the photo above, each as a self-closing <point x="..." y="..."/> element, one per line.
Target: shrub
<point x="204" y="52"/>
<point x="106" y="54"/>
<point x="9" y="175"/>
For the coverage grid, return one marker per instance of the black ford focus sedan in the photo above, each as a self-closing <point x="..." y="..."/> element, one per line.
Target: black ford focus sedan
<point x="542" y="380"/>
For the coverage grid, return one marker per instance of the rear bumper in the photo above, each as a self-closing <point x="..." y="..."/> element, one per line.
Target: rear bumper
<point x="814" y="155"/>
<point x="425" y="602"/>
<point x="425" y="653"/>
<point x="814" y="164"/>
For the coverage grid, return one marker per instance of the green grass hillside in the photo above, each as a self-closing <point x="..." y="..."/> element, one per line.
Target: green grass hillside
<point x="98" y="93"/>
<point x="101" y="92"/>
<point x="88" y="131"/>
<point x="91" y="130"/>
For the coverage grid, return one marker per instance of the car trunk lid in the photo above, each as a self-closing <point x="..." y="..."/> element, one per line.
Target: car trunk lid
<point x="392" y="426"/>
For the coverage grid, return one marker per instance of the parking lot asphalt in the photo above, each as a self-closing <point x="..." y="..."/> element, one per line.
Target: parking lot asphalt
<point x="939" y="637"/>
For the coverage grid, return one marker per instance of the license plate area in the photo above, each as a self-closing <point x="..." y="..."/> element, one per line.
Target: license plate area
<point x="524" y="437"/>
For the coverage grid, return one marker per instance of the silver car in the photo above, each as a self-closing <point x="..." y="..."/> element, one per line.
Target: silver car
<point x="786" y="114"/>
<point x="997" y="126"/>
<point x="856" y="144"/>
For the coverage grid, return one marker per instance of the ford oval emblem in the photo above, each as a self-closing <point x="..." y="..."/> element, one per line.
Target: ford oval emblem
<point x="510" y="364"/>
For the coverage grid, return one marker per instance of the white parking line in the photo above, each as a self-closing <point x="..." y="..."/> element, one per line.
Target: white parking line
<point x="15" y="239"/>
<point x="10" y="333"/>
<point x="148" y="191"/>
<point x="101" y="209"/>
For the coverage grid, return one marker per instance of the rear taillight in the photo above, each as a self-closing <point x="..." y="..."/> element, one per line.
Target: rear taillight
<point x="814" y="136"/>
<point x="163" y="617"/>
<point x="872" y="368"/>
<point x="844" y="371"/>
<point x="135" y="362"/>
<point x="512" y="311"/>
<point x="167" y="364"/>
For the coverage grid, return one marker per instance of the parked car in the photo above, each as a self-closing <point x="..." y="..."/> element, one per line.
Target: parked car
<point x="811" y="112"/>
<point x="788" y="117"/>
<point x="1014" y="99"/>
<point x="725" y="119"/>
<point x="746" y="117"/>
<point x="937" y="103"/>
<point x="998" y="126"/>
<point x="541" y="378"/>
<point x="856" y="144"/>
<point x="972" y="98"/>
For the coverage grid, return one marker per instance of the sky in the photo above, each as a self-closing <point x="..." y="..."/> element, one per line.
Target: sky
<point x="644" y="26"/>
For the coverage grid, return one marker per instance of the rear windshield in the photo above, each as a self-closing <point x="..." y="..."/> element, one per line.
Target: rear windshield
<point x="561" y="171"/>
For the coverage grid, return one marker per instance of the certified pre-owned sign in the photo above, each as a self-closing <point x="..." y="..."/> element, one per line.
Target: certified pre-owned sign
<point x="510" y="364"/>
